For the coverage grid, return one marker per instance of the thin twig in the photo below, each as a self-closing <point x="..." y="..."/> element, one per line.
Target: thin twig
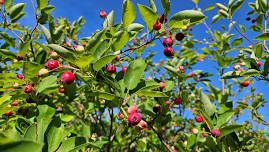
<point x="262" y="121"/>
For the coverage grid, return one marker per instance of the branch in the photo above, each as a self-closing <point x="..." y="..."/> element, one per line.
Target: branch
<point x="259" y="118"/>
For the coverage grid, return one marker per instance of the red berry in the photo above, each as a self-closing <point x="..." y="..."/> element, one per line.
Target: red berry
<point x="245" y="83"/>
<point x="134" y="119"/>
<point x="248" y="18"/>
<point x="162" y="18"/>
<point x="117" y="58"/>
<point x="123" y="70"/>
<point x="259" y="63"/>
<point x="61" y="90"/>
<point x="28" y="89"/>
<point x="19" y="57"/>
<point x="67" y="78"/>
<point x="190" y="74"/>
<point x="168" y="42"/>
<point x="168" y="52"/>
<point x="204" y="135"/>
<point x="215" y="133"/>
<point x="102" y="14"/>
<point x="14" y="103"/>
<point x="157" y="26"/>
<point x="167" y="102"/>
<point x="143" y="125"/>
<point x="83" y="44"/>
<point x="177" y="100"/>
<point x="120" y="116"/>
<point x="253" y="21"/>
<point x="162" y="85"/>
<point x="2" y="2"/>
<point x="32" y="84"/>
<point x="133" y="109"/>
<point x="111" y="69"/>
<point x="9" y="113"/>
<point x="180" y="36"/>
<point x="134" y="41"/>
<point x="52" y="64"/>
<point x="19" y="76"/>
<point x="199" y="119"/>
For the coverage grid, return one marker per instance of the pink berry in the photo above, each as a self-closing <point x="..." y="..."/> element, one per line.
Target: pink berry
<point x="102" y="14"/>
<point x="123" y="70"/>
<point x="157" y="26"/>
<point x="199" y="119"/>
<point x="19" y="57"/>
<point x="14" y="103"/>
<point x="245" y="83"/>
<point x="204" y="135"/>
<point x="190" y="74"/>
<point x="61" y="90"/>
<point x="162" y="85"/>
<point x="9" y="113"/>
<point x="168" y="52"/>
<point x="52" y="64"/>
<point x="168" y="42"/>
<point x="215" y="133"/>
<point x="134" y="119"/>
<point x="143" y="125"/>
<point x="67" y="78"/>
<point x="19" y="76"/>
<point x="259" y="63"/>
<point x="28" y="89"/>
<point x="111" y="69"/>
<point x="133" y="109"/>
<point x="167" y="102"/>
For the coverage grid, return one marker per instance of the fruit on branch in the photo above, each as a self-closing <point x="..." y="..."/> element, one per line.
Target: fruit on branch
<point x="253" y="21"/>
<point x="259" y="63"/>
<point x="9" y="113"/>
<point x="190" y="74"/>
<point x="123" y="69"/>
<point x="120" y="116"/>
<point x="28" y="89"/>
<point x="67" y="78"/>
<point x="19" y="57"/>
<point x="157" y="108"/>
<point x="168" y="42"/>
<point x="204" y="134"/>
<point x="133" y="109"/>
<point x="180" y="69"/>
<point x="42" y="72"/>
<point x="2" y="2"/>
<point x="162" y="19"/>
<point x="194" y="131"/>
<point x="199" y="119"/>
<point x="111" y="69"/>
<point x="61" y="90"/>
<point x="245" y="83"/>
<point x="168" y="52"/>
<point x="248" y="18"/>
<point x="157" y="26"/>
<point x="180" y="36"/>
<point x="134" y="41"/>
<point x="102" y="14"/>
<point x="177" y="100"/>
<point x="117" y="58"/>
<point x="167" y="102"/>
<point x="19" y="76"/>
<point x="78" y="48"/>
<point x="143" y="125"/>
<point x="134" y="119"/>
<point x="14" y="103"/>
<point x="53" y="55"/>
<point x="52" y="64"/>
<point x="215" y="133"/>
<point x="162" y="85"/>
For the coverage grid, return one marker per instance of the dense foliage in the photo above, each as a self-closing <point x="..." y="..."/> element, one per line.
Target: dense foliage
<point x="60" y="92"/>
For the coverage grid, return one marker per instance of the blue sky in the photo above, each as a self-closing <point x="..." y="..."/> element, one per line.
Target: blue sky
<point x="73" y="9"/>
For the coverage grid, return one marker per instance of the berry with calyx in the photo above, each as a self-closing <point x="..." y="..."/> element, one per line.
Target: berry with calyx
<point x="19" y="76"/>
<point x="134" y="119"/>
<point x="215" y="133"/>
<point x="111" y="69"/>
<point x="162" y="85"/>
<point x="245" y="83"/>
<point x="162" y="19"/>
<point x="168" y="42"/>
<point x="123" y="69"/>
<point x="19" y="57"/>
<point x="14" y="103"/>
<point x="133" y="109"/>
<point x="177" y="100"/>
<point x="102" y="14"/>
<point x="180" y="36"/>
<point x="67" y="78"/>
<point x="168" y="52"/>
<point x="9" y="113"/>
<point x="78" y="48"/>
<point x="156" y="108"/>
<point x="61" y="90"/>
<point x="117" y="58"/>
<point x="199" y="119"/>
<point x="248" y="18"/>
<point x="157" y="26"/>
<point x="52" y="64"/>
<point x="28" y="89"/>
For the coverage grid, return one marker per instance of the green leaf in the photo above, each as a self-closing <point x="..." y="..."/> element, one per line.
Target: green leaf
<point x="207" y="119"/>
<point x="152" y="6"/>
<point x="120" y="39"/>
<point x="195" y="1"/>
<point x="94" y="42"/>
<point x="236" y="6"/>
<point x="47" y="83"/>
<point x="242" y="28"/>
<point x="224" y="118"/>
<point x="8" y="39"/>
<point x="263" y="5"/>
<point x="21" y="146"/>
<point x="191" y="16"/>
<point x="220" y="6"/>
<point x="258" y="47"/>
<point x="249" y="73"/>
<point x="86" y="130"/>
<point x="7" y="53"/>
<point x="135" y="27"/>
<point x="30" y="69"/>
<point x="128" y="13"/>
<point x="237" y="41"/>
<point x="67" y="118"/>
<point x="191" y="140"/>
<point x="55" y="134"/>
<point x="101" y="49"/>
<point x="109" y="21"/>
<point x="151" y="93"/>
<point x="209" y="7"/>
<point x="264" y="36"/>
<point x="83" y="61"/>
<point x="166" y="7"/>
<point x="266" y="67"/>
<point x="46" y="33"/>
<point x="99" y="64"/>
<point x="229" y="129"/>
<point x="133" y="73"/>
<point x="149" y="16"/>
<point x="230" y="74"/>
<point x="41" y="4"/>
<point x="63" y="52"/>
<point x="215" y="19"/>
<point x="104" y="95"/>
<point x="16" y="10"/>
<point x="206" y="104"/>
